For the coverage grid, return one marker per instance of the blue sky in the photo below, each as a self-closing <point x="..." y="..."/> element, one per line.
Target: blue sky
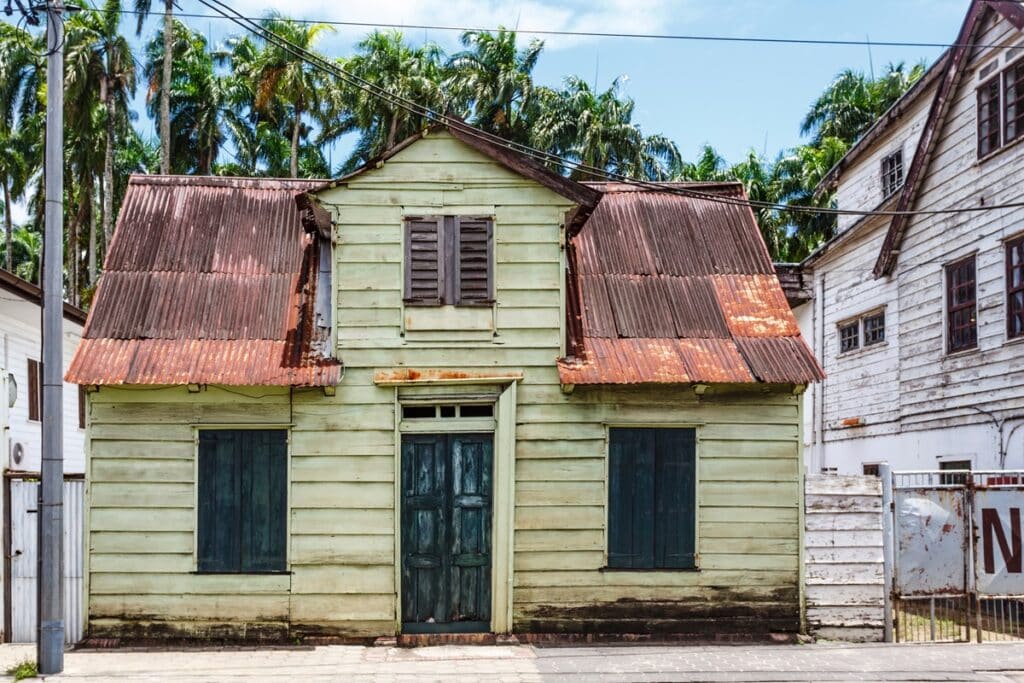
<point x="735" y="96"/>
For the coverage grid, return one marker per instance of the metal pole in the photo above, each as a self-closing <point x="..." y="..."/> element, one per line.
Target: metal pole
<point x="888" y="555"/>
<point x="50" y="644"/>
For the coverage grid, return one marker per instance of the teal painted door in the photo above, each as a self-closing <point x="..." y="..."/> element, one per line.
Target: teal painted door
<point x="446" y="532"/>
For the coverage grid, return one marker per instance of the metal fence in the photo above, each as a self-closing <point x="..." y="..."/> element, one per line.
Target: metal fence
<point x="953" y="555"/>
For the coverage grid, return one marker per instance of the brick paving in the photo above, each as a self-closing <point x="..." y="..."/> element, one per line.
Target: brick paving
<point x="1000" y="662"/>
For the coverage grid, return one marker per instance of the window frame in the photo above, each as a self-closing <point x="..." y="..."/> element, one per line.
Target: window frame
<point x="949" y="308"/>
<point x="896" y="170"/>
<point x="449" y="229"/>
<point x="196" y="430"/>
<point x="1009" y="245"/>
<point x="854" y="324"/>
<point x="997" y="80"/>
<point x="880" y="313"/>
<point x="696" y="427"/>
<point x="1013" y="64"/>
<point x="872" y="466"/>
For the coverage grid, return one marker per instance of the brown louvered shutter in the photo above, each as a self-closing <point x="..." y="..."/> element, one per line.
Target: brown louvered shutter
<point x="474" y="267"/>
<point x="35" y="394"/>
<point x="424" y="265"/>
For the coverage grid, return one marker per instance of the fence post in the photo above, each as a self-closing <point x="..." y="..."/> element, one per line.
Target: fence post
<point x="885" y="473"/>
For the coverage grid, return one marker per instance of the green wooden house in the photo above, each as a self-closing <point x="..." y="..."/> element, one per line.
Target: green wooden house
<point x="451" y="392"/>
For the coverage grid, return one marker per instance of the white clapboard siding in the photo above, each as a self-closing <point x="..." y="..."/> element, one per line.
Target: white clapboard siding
<point x="843" y="556"/>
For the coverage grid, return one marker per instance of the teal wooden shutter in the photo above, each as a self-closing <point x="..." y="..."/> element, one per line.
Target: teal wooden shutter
<point x="264" y="476"/>
<point x="651" y="506"/>
<point x="674" y="498"/>
<point x="219" y="509"/>
<point x="242" y="492"/>
<point x="631" y="493"/>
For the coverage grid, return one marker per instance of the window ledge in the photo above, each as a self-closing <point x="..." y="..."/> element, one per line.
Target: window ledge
<point x="961" y="353"/>
<point x="282" y="572"/>
<point x="862" y="350"/>
<point x="1009" y="145"/>
<point x="646" y="570"/>
<point x="1012" y="341"/>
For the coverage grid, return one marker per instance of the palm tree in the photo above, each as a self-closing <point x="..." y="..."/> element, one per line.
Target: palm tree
<point x="202" y="111"/>
<point x="142" y="10"/>
<point x="404" y="71"/>
<point x="495" y="77"/>
<point x="282" y="78"/>
<point x="798" y="174"/>
<point x="596" y="129"/>
<point x="100" y="75"/>
<point x="28" y="251"/>
<point x="20" y="121"/>
<point x="853" y="101"/>
<point x="709" y="166"/>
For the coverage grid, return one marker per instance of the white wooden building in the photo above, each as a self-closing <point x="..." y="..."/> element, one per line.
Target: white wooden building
<point x="918" y="320"/>
<point x="21" y="429"/>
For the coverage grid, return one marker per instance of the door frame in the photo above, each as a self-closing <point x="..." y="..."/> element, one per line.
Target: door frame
<point x="502" y="494"/>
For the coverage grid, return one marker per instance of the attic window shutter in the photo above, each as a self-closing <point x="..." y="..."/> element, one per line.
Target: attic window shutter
<point x="424" y="263"/>
<point x="474" y="270"/>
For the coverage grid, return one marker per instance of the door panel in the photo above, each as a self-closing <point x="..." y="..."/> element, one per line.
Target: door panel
<point x="446" y="532"/>
<point x="424" y="518"/>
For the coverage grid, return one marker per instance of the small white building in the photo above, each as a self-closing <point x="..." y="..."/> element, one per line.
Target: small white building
<point x="918" y="320"/>
<point x="21" y="378"/>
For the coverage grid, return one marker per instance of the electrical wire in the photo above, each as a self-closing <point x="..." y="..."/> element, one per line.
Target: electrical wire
<point x="322" y="63"/>
<point x="689" y="37"/>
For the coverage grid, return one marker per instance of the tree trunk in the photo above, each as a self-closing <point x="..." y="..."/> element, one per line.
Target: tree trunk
<point x="74" y="254"/>
<point x="392" y="133"/>
<point x="108" y="173"/>
<point x="92" y="236"/>
<point x="295" y="142"/>
<point x="8" y="227"/>
<point x="165" y="91"/>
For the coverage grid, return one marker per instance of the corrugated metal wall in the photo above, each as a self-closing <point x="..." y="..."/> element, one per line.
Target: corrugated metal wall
<point x="24" y="559"/>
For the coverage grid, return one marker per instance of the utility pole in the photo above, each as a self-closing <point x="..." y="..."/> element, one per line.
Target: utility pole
<point x="50" y="642"/>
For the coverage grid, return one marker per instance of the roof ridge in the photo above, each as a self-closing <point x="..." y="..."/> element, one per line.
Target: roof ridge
<point x="220" y="181"/>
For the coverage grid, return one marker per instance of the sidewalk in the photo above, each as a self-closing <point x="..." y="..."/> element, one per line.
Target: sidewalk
<point x="1002" y="662"/>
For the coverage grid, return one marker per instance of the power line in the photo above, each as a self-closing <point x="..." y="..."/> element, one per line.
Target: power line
<point x="679" y="37"/>
<point x="333" y="68"/>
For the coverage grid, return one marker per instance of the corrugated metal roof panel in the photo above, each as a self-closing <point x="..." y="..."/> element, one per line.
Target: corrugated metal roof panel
<point x="208" y="281"/>
<point x="669" y="284"/>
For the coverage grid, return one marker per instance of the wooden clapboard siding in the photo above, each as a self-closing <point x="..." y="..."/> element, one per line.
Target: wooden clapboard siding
<point x="343" y="516"/>
<point x="843" y="570"/>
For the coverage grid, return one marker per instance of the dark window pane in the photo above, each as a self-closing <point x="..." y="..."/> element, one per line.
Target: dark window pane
<point x="447" y="411"/>
<point x="1015" y="287"/>
<point x="874" y="328"/>
<point x="418" y="412"/>
<point x="988" y="117"/>
<point x="961" y="306"/>
<point x="477" y="410"/>
<point x="871" y="470"/>
<point x="849" y="337"/>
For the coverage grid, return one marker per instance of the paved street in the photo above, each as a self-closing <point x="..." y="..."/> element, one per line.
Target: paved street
<point x="987" y="662"/>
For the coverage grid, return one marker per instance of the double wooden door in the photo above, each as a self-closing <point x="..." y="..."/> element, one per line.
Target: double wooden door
<point x="446" y="532"/>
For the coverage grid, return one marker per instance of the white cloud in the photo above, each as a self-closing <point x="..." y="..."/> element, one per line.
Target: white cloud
<point x="604" y="16"/>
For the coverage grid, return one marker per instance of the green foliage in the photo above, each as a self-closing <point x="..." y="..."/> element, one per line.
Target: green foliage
<point x="23" y="670"/>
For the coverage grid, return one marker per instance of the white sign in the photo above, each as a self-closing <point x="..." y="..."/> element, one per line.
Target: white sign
<point x="998" y="561"/>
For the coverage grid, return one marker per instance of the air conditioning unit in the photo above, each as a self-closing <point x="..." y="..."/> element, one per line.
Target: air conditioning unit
<point x="17" y="452"/>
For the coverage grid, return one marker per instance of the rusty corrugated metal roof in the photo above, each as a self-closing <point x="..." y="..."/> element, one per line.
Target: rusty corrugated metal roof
<point x="207" y="281"/>
<point x="678" y="289"/>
